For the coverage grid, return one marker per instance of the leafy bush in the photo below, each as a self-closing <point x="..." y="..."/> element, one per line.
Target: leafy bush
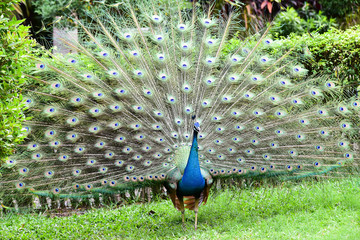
<point x="335" y="53"/>
<point x="346" y="12"/>
<point x="289" y="21"/>
<point x="15" y="58"/>
<point x="339" y="8"/>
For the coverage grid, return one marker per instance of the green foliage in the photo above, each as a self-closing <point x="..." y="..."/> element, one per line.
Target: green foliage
<point x="289" y="22"/>
<point x="339" y="8"/>
<point x="49" y="9"/>
<point x="306" y="210"/>
<point x="346" y="12"/>
<point x="15" y="53"/>
<point x="335" y="52"/>
<point x="6" y="6"/>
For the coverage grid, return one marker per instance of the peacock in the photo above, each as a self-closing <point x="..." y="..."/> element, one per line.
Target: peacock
<point x="150" y="92"/>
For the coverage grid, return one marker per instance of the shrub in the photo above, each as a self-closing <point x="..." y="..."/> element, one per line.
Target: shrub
<point x="339" y="8"/>
<point x="16" y="49"/>
<point x="289" y="21"/>
<point x="335" y="53"/>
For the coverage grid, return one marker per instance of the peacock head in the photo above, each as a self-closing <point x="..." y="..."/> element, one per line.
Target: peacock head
<point x="197" y="127"/>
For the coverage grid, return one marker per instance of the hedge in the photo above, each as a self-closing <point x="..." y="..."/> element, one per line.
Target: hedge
<point x="16" y="50"/>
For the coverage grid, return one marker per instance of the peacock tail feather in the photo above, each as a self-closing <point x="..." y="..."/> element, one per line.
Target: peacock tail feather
<point x="116" y="113"/>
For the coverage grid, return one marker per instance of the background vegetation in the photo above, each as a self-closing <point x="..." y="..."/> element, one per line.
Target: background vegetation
<point x="16" y="50"/>
<point x="334" y="54"/>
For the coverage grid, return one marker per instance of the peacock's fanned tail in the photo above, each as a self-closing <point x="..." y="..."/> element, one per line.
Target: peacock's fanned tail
<point x="110" y="116"/>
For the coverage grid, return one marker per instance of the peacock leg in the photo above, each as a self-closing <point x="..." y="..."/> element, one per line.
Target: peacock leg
<point x="196" y="211"/>
<point x="183" y="216"/>
<point x="182" y="210"/>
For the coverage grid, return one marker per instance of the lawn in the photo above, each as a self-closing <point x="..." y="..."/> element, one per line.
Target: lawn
<point x="305" y="210"/>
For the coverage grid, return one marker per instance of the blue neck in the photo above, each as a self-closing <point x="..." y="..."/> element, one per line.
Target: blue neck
<point x="192" y="182"/>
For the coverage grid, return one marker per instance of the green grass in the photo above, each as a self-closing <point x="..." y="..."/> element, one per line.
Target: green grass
<point x="306" y="210"/>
